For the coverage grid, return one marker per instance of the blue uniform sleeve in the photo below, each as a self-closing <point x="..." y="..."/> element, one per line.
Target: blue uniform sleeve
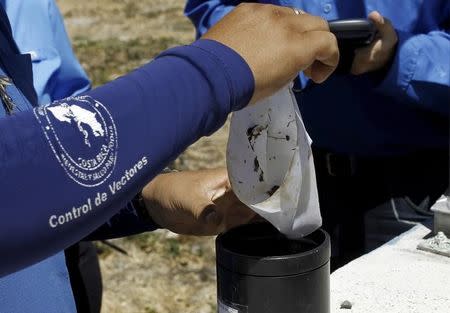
<point x="58" y="74"/>
<point x="205" y="13"/>
<point x="71" y="79"/>
<point x="67" y="168"/>
<point x="420" y="72"/>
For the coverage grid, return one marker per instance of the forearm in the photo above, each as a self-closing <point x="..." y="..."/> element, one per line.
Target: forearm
<point x="58" y="185"/>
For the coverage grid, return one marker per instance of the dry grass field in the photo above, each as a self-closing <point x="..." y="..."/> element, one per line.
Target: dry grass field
<point x="163" y="272"/>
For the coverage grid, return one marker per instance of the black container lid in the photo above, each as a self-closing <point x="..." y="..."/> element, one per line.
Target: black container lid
<point x="261" y="250"/>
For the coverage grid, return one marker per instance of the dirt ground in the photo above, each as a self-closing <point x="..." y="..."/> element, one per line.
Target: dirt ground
<point x="163" y="272"/>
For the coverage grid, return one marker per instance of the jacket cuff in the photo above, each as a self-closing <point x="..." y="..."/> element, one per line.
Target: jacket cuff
<point x="238" y="74"/>
<point x="401" y="72"/>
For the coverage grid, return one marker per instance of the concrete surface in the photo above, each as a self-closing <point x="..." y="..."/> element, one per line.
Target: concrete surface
<point x="442" y="214"/>
<point x="395" y="278"/>
<point x="438" y="244"/>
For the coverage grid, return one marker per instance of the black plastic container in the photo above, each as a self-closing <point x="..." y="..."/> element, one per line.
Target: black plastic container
<point x="261" y="271"/>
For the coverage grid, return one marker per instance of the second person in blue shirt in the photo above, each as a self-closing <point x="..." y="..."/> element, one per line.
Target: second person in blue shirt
<point x="380" y="133"/>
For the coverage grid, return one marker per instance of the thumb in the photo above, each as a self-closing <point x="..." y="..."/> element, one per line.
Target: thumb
<point x="212" y="212"/>
<point x="382" y="24"/>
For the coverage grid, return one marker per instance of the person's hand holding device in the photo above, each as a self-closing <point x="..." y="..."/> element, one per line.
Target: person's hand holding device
<point x="365" y="45"/>
<point x="381" y="51"/>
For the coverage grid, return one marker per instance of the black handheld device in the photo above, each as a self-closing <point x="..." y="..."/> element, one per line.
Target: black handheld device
<point x="351" y="34"/>
<point x="355" y="32"/>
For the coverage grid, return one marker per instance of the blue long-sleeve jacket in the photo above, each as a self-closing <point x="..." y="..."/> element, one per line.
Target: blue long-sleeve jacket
<point x="38" y="30"/>
<point x="404" y="111"/>
<point x="58" y="74"/>
<point x="65" y="169"/>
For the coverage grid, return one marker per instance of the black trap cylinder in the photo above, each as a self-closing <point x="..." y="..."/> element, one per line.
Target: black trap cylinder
<point x="259" y="270"/>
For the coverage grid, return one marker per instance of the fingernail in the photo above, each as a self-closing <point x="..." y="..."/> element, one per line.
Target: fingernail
<point x="219" y="193"/>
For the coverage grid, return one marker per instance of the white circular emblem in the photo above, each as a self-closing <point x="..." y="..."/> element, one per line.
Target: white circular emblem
<point x="90" y="156"/>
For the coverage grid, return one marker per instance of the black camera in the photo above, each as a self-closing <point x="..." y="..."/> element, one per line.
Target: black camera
<point x="351" y="34"/>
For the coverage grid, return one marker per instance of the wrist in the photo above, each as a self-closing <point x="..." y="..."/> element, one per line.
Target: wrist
<point x="153" y="199"/>
<point x="140" y="208"/>
<point x="379" y="75"/>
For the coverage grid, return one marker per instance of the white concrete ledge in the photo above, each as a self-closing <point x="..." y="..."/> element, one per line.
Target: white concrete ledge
<point x="395" y="278"/>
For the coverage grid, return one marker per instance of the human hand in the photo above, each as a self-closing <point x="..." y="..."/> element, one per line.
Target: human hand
<point x="277" y="44"/>
<point x="381" y="51"/>
<point x="195" y="202"/>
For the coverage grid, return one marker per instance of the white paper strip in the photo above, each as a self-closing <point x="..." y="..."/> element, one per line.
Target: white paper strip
<point x="271" y="167"/>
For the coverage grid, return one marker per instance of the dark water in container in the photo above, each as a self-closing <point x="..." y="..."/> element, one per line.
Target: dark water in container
<point x="259" y="270"/>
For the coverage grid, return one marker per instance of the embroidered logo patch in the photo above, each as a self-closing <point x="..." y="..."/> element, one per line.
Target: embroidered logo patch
<point x="90" y="157"/>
